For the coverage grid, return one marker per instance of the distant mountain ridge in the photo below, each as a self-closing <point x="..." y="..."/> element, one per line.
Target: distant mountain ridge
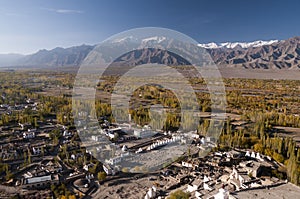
<point x="72" y="56"/>
<point x="284" y="54"/>
<point x="273" y="54"/>
<point x="232" y="45"/>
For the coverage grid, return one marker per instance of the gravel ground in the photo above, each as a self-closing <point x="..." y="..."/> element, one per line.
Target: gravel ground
<point x="285" y="191"/>
<point x="127" y="188"/>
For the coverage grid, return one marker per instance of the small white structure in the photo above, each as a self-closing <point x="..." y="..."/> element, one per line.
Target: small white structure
<point x="98" y="138"/>
<point x="36" y="151"/>
<point x="154" y="189"/>
<point x="89" y="176"/>
<point x="194" y="186"/>
<point x="111" y="135"/>
<point x="195" y="135"/>
<point x="114" y="130"/>
<point x="247" y="154"/>
<point x="73" y="157"/>
<point x="198" y="194"/>
<point x="219" y="154"/>
<point x="207" y="187"/>
<point x="124" y="148"/>
<point x="258" y="157"/>
<point x="147" y="196"/>
<point x="188" y="164"/>
<point x="191" y="188"/>
<point x="202" y="140"/>
<point x="114" y="160"/>
<point x="222" y="194"/>
<point x="67" y="133"/>
<point x="28" y="135"/>
<point x="88" y="166"/>
<point x="139" y="150"/>
<point x="206" y="179"/>
<point x="107" y="169"/>
<point x="151" y="194"/>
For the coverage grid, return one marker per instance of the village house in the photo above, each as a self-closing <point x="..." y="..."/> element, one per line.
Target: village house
<point x="189" y="164"/>
<point x="108" y="169"/>
<point x="40" y="182"/>
<point x="29" y="135"/>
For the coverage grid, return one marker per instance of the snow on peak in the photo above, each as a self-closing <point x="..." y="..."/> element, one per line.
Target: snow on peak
<point x="158" y="39"/>
<point x="238" y="44"/>
<point x="119" y="40"/>
<point x="230" y="45"/>
<point x="209" y="45"/>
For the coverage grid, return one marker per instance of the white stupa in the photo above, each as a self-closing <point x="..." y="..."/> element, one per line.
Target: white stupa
<point x="222" y="194"/>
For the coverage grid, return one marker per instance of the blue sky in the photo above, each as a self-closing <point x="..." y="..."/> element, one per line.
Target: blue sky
<point x="29" y="25"/>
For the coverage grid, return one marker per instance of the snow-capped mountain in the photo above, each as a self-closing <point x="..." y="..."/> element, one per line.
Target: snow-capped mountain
<point x="257" y="54"/>
<point x="284" y="54"/>
<point x="212" y="45"/>
<point x="238" y="44"/>
<point x="124" y="39"/>
<point x="155" y="39"/>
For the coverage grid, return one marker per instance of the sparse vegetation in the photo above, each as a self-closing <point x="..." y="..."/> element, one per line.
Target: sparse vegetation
<point x="179" y="194"/>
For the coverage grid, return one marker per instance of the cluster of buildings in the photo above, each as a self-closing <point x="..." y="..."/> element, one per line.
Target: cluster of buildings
<point x="119" y="146"/>
<point x="220" y="175"/>
<point x="30" y="157"/>
<point x="8" y="109"/>
<point x="216" y="175"/>
<point x="29" y="153"/>
<point x="39" y="176"/>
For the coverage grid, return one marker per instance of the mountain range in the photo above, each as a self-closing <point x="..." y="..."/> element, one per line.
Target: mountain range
<point x="283" y="54"/>
<point x="273" y="54"/>
<point x="257" y="43"/>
